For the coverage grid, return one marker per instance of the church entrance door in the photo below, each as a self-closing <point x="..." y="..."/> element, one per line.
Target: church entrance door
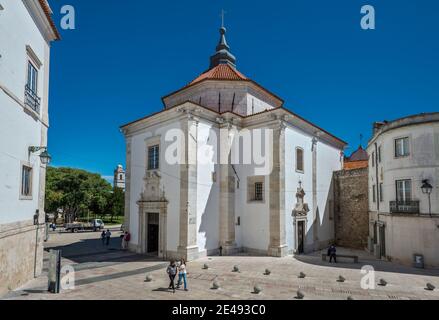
<point x="300" y="236"/>
<point x="153" y="233"/>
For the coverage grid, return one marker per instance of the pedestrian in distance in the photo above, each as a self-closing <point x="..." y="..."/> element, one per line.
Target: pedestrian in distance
<point x="332" y="253"/>
<point x="172" y="272"/>
<point x="125" y="240"/>
<point x="182" y="274"/>
<point x="107" y="237"/>
<point x="103" y="237"/>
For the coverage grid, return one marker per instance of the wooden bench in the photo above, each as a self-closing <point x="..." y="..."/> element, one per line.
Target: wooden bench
<point x="355" y="258"/>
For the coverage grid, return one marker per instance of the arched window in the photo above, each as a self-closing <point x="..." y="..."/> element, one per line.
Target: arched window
<point x="299" y="160"/>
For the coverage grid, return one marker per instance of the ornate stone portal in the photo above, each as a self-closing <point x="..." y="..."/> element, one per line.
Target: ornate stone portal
<point x="301" y="209"/>
<point x="300" y="214"/>
<point x="152" y="215"/>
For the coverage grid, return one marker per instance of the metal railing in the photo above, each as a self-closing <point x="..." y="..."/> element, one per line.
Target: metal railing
<point x="411" y="206"/>
<point x="31" y="99"/>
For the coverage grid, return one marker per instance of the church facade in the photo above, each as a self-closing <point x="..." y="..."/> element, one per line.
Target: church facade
<point x="225" y="167"/>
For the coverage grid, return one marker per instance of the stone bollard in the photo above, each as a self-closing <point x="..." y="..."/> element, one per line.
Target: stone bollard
<point x="215" y="285"/>
<point x="257" y="289"/>
<point x="302" y="275"/>
<point x="382" y="283"/>
<point x="235" y="268"/>
<point x="205" y="266"/>
<point x="300" y="295"/>
<point x="148" y="278"/>
<point x="430" y="287"/>
<point x="267" y="272"/>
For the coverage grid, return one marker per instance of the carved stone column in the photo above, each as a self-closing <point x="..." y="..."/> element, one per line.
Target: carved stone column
<point x="188" y="247"/>
<point x="277" y="246"/>
<point x="227" y="193"/>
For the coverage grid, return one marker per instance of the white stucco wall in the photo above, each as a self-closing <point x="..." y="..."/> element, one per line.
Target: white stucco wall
<point x="18" y="129"/>
<point x="170" y="181"/>
<point x="207" y="188"/>
<point x="295" y="138"/>
<point x="328" y="161"/>
<point x="254" y="231"/>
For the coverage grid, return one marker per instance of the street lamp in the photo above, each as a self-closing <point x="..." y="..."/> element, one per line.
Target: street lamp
<point x="426" y="189"/>
<point x="44" y="155"/>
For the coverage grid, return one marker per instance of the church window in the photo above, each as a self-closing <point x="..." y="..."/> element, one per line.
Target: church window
<point x="258" y="191"/>
<point x="299" y="160"/>
<point x="153" y="157"/>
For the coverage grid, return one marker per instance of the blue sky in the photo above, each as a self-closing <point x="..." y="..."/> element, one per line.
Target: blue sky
<point x="125" y="55"/>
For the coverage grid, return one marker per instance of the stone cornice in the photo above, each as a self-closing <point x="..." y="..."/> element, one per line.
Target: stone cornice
<point x="39" y="11"/>
<point x="418" y="119"/>
<point x="268" y="118"/>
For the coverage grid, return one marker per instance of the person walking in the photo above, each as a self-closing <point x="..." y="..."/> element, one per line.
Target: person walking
<point x="107" y="237"/>
<point x="125" y="239"/>
<point x="332" y="253"/>
<point x="103" y="237"/>
<point x="182" y="274"/>
<point x="172" y="272"/>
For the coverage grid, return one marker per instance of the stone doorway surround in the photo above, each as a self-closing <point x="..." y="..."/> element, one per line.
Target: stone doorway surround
<point x="300" y="214"/>
<point x="152" y="200"/>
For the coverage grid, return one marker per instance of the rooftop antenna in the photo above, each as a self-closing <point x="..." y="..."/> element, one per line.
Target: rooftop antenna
<point x="361" y="140"/>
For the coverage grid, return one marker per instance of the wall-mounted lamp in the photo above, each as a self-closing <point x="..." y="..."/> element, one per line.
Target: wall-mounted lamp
<point x="44" y="155"/>
<point x="426" y="189"/>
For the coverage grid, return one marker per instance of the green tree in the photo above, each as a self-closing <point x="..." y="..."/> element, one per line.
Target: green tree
<point x="76" y="192"/>
<point x="116" y="203"/>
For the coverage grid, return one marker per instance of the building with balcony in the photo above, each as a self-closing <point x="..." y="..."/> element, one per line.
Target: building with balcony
<point x="26" y="33"/>
<point x="404" y="189"/>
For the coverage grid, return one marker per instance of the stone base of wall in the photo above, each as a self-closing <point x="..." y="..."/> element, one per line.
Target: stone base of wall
<point x="21" y="254"/>
<point x="407" y="235"/>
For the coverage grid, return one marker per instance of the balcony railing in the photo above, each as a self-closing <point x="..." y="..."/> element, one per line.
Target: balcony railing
<point x="404" y="206"/>
<point x="31" y="99"/>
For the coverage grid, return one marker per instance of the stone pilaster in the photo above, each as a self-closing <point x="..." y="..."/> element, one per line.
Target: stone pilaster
<point x="227" y="194"/>
<point x="277" y="246"/>
<point x="127" y="184"/>
<point x="188" y="247"/>
<point x="315" y="218"/>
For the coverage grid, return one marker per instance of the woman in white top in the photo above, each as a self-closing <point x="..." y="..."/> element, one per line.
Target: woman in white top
<point x="182" y="274"/>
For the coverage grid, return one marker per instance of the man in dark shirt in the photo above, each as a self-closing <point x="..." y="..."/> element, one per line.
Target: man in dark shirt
<point x="332" y="253"/>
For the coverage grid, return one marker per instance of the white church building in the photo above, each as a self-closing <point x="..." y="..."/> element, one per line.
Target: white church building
<point x="226" y="167"/>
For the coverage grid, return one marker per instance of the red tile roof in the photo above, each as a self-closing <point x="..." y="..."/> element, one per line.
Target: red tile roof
<point x="45" y="6"/>
<point x="223" y="72"/>
<point x="359" y="155"/>
<point x="352" y="165"/>
<point x="220" y="72"/>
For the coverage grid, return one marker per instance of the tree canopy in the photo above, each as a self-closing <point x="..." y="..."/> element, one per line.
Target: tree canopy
<point x="78" y="192"/>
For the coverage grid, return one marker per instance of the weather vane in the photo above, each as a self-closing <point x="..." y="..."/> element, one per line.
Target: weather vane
<point x="222" y="17"/>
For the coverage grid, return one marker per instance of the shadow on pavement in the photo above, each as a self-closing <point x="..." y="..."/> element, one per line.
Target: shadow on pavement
<point x="364" y="258"/>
